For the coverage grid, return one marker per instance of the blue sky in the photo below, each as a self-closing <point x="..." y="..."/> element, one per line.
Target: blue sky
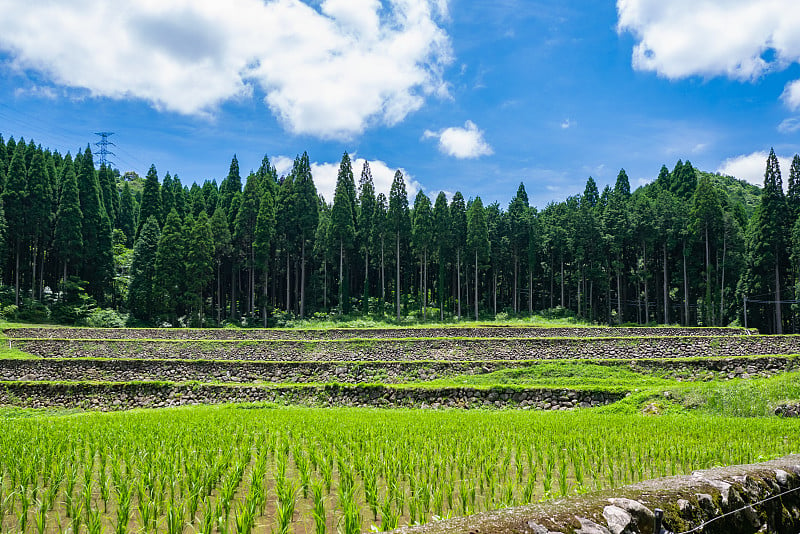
<point x="469" y="96"/>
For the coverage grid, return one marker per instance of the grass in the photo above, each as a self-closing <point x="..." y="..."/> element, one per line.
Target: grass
<point x="740" y="398"/>
<point x="565" y="374"/>
<point x="10" y="353"/>
<point x="755" y="397"/>
<point x="372" y="321"/>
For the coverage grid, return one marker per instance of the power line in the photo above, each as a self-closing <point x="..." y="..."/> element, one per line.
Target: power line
<point x="732" y="512"/>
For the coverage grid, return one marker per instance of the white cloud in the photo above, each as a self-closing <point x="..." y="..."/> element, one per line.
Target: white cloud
<point x="751" y="167"/>
<point x="567" y="124"/>
<point x="461" y="143"/>
<point x="740" y="39"/>
<point x="789" y="125"/>
<point x="41" y="91"/>
<point x="329" y="72"/>
<point x="325" y="176"/>
<point x="791" y="95"/>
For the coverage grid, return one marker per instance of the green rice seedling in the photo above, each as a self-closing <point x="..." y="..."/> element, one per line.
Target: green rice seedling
<point x="528" y="490"/>
<point x="40" y="518"/>
<point x="412" y="509"/>
<point x="281" y="459"/>
<point x="243" y="518"/>
<point x="397" y="494"/>
<point x="326" y="468"/>
<point x="206" y="525"/>
<point x="312" y="456"/>
<point x="87" y="476"/>
<point x="346" y="478"/>
<point x="102" y="481"/>
<point x="24" y="505"/>
<point x="463" y="496"/>
<point x="304" y="471"/>
<point x="287" y="500"/>
<point x="576" y="457"/>
<point x="370" y="479"/>
<point x="69" y="485"/>
<point x="351" y="520"/>
<point x="519" y="466"/>
<point x="51" y="489"/>
<point x="123" y="506"/>
<point x="547" y="480"/>
<point x="174" y="519"/>
<point x="424" y="492"/>
<point x="472" y="498"/>
<point x="507" y="493"/>
<point x="192" y="499"/>
<point x="489" y="474"/>
<point x="31" y="479"/>
<point x="563" y="474"/>
<point x="320" y="519"/>
<point x="145" y="506"/>
<point x="610" y="473"/>
<point x="227" y="492"/>
<point x="76" y="521"/>
<point x="94" y="523"/>
<point x="438" y="501"/>
<point x="389" y="517"/>
<point x="3" y="498"/>
<point x="221" y="522"/>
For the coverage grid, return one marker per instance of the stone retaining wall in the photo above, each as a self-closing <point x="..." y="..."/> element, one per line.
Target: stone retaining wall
<point x="121" y="396"/>
<point x="788" y="410"/>
<point x="119" y="370"/>
<point x="748" y="492"/>
<point x="410" y="350"/>
<point x="364" y="333"/>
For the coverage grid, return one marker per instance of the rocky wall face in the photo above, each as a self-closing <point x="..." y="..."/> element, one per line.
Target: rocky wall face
<point x="363" y="333"/>
<point x="108" y="397"/>
<point x="741" y="499"/>
<point x="349" y="372"/>
<point x="416" y="350"/>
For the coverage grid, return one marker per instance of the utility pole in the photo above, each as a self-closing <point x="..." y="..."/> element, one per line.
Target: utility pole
<point x="103" y="144"/>
<point x="745" y="312"/>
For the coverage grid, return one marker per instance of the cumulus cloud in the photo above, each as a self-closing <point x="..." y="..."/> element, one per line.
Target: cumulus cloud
<point x="751" y="167"/>
<point x="325" y="175"/>
<point x="461" y="143"/>
<point x="329" y="71"/>
<point x="791" y="95"/>
<point x="740" y="39"/>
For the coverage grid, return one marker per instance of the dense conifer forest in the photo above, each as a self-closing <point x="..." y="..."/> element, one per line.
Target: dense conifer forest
<point x="89" y="245"/>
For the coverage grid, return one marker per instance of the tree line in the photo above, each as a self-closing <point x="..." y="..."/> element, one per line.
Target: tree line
<point x="690" y="247"/>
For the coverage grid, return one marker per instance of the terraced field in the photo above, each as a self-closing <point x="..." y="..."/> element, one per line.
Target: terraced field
<point x="126" y="368"/>
<point x="313" y="442"/>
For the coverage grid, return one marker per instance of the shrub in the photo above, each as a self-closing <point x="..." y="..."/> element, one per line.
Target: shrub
<point x="8" y="312"/>
<point x="106" y="318"/>
<point x="32" y="311"/>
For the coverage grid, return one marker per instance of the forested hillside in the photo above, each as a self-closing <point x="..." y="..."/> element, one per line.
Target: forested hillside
<point x="88" y="246"/>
